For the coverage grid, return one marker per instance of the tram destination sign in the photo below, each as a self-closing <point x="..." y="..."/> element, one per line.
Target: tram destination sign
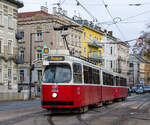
<point x="55" y="58"/>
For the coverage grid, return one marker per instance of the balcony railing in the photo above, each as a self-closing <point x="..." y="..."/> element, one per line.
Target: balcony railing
<point x="94" y="43"/>
<point x="94" y="55"/>
<point x="19" y="60"/>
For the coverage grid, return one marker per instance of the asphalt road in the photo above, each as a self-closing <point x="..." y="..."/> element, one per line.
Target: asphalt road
<point x="134" y="111"/>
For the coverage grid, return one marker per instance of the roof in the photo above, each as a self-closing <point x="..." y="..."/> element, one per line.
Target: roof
<point x="132" y="58"/>
<point x="16" y="2"/>
<point x="30" y="14"/>
<point x="141" y="59"/>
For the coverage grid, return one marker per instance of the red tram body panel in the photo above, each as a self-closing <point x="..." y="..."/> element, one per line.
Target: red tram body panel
<point x="120" y="92"/>
<point x="108" y="93"/>
<point x="70" y="96"/>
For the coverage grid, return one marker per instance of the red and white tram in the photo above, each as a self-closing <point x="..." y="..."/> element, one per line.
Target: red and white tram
<point x="73" y="83"/>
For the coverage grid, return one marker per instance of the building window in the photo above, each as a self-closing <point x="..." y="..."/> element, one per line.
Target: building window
<point x="22" y="55"/>
<point x="21" y="75"/>
<point x="111" y="64"/>
<point x="0" y="75"/>
<point x="84" y="50"/>
<point x="131" y="64"/>
<point x="90" y="37"/>
<point x="39" y="75"/>
<point x="84" y="35"/>
<point x="100" y="53"/>
<point x="95" y="37"/>
<point x="9" y="21"/>
<point x="9" y="47"/>
<point x="111" y="50"/>
<point x="39" y="35"/>
<point x="39" y="55"/>
<point x="1" y="19"/>
<point x="22" y="36"/>
<point x="9" y="74"/>
<point x="0" y="46"/>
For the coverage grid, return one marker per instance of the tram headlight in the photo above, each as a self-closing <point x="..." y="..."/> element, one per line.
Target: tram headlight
<point x="54" y="95"/>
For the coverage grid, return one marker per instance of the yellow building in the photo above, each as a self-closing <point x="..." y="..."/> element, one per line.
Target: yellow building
<point x="91" y="42"/>
<point x="145" y="72"/>
<point x="144" y="68"/>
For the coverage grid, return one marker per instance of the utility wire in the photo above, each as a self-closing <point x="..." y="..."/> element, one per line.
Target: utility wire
<point x="106" y="7"/>
<point x="136" y="15"/>
<point x="89" y="13"/>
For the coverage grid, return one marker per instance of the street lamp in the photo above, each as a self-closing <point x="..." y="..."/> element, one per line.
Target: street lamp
<point x="31" y="65"/>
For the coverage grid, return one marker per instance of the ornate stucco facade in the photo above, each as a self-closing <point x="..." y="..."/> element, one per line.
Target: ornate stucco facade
<point x="8" y="44"/>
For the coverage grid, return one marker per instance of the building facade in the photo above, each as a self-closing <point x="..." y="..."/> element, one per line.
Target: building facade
<point x="110" y="51"/>
<point x="123" y="58"/>
<point x="134" y="70"/>
<point x="41" y="25"/>
<point x="91" y="41"/>
<point x="8" y="44"/>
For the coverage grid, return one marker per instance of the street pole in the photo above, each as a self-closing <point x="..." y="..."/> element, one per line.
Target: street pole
<point x="30" y="75"/>
<point x="30" y="65"/>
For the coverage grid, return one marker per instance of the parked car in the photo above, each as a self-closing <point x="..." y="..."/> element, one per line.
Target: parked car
<point x="147" y="88"/>
<point x="139" y="90"/>
<point x="133" y="89"/>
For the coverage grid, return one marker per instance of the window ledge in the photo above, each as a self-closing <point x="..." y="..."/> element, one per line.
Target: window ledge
<point x="21" y="42"/>
<point x="1" y="25"/>
<point x="10" y="28"/>
<point x="38" y="40"/>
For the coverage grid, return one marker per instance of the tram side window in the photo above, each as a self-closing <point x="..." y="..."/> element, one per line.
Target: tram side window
<point x="90" y="76"/>
<point x="104" y="78"/>
<point x="95" y="76"/>
<point x="77" y="73"/>
<point x="86" y="74"/>
<point x="117" y="81"/>
<point x="124" y="82"/>
<point x="108" y="79"/>
<point x="111" y="82"/>
<point x="121" y="81"/>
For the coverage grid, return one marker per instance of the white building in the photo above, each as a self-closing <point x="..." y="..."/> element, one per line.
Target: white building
<point x="110" y="52"/>
<point x="116" y="54"/>
<point x="8" y="44"/>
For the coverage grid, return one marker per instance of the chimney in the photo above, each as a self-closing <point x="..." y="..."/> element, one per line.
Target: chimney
<point x="59" y="10"/>
<point x="54" y="10"/>
<point x="110" y="33"/>
<point x="44" y="9"/>
<point x="105" y="31"/>
<point x="64" y="12"/>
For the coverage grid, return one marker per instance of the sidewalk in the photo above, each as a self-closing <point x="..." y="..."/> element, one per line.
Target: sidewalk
<point x="11" y="114"/>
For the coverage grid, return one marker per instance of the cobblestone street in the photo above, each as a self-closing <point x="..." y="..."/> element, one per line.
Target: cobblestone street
<point x="135" y="110"/>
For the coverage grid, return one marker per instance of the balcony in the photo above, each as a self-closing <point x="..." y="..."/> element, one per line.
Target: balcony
<point x="94" y="43"/>
<point x="7" y="57"/>
<point x="94" y="55"/>
<point x="19" y="60"/>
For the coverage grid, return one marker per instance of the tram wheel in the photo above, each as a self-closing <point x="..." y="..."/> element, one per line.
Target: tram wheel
<point x="98" y="104"/>
<point x="83" y="109"/>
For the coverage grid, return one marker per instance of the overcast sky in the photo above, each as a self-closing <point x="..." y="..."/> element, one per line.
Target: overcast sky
<point x="128" y="29"/>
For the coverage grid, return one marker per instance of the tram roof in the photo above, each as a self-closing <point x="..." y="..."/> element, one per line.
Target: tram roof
<point x="82" y="60"/>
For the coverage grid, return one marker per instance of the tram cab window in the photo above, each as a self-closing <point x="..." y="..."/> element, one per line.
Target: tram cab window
<point x="77" y="73"/>
<point x="57" y="73"/>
